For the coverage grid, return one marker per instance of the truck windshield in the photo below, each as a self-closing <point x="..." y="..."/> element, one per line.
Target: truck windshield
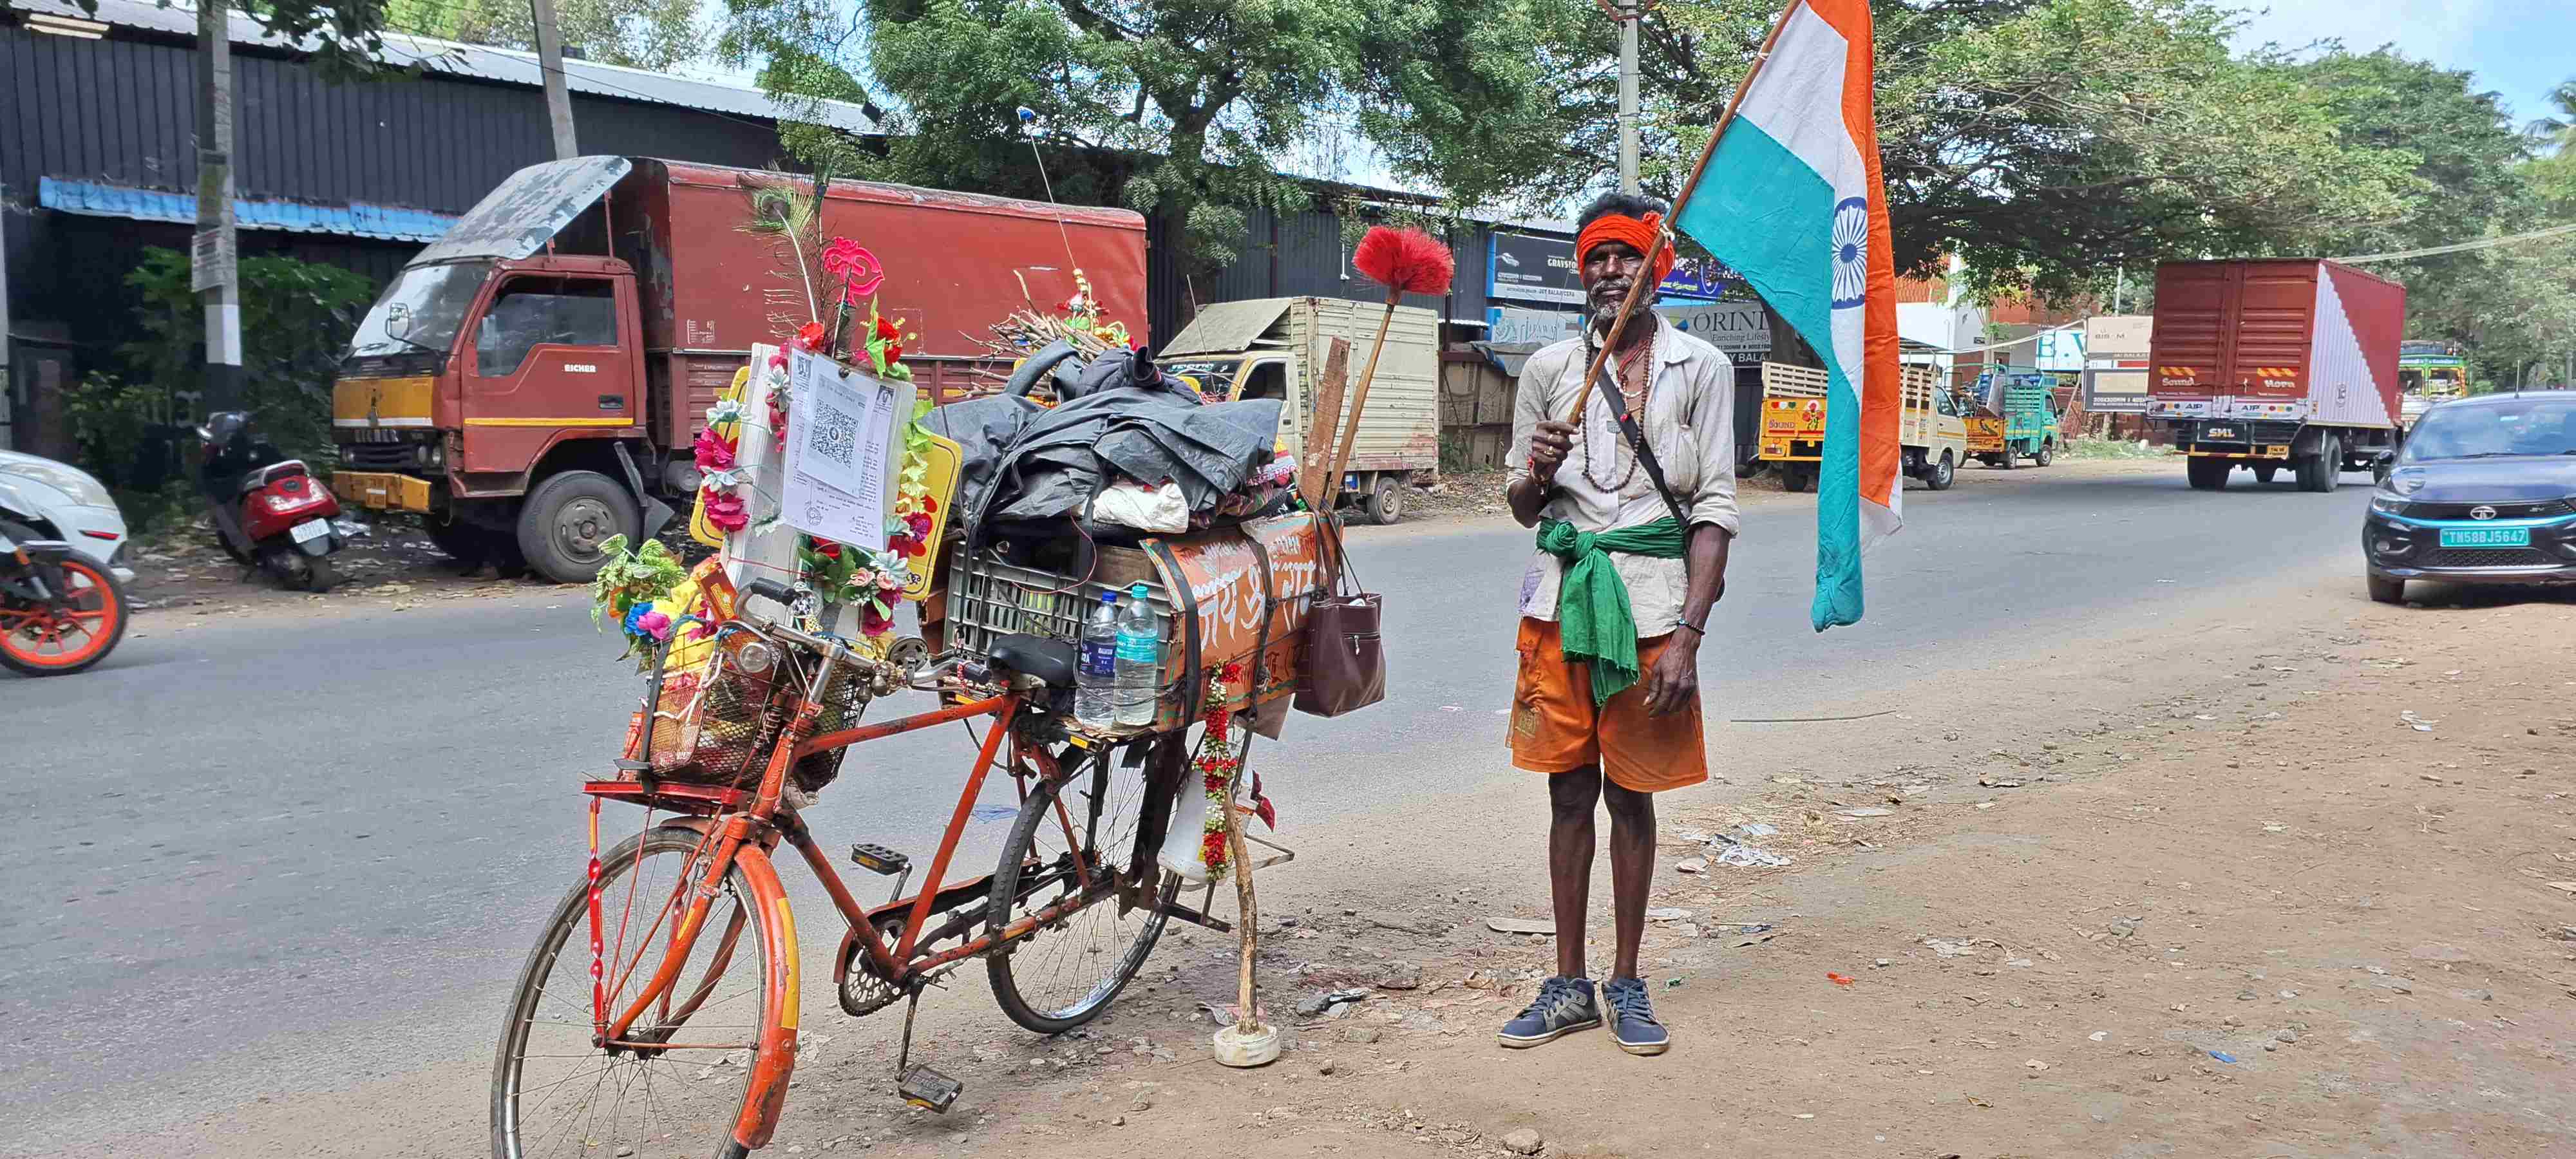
<point x="2493" y="430"/>
<point x="420" y="312"/>
<point x="1211" y="377"/>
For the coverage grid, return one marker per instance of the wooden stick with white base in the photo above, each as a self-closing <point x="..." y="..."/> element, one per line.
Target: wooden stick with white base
<point x="1250" y="1041"/>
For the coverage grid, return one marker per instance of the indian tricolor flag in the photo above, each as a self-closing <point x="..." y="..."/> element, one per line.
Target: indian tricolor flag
<point x="1792" y="201"/>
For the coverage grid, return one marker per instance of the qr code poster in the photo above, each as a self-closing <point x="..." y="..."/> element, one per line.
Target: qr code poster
<point x="831" y="434"/>
<point x="840" y="430"/>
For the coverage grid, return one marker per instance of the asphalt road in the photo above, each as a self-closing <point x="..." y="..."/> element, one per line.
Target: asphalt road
<point x="291" y="854"/>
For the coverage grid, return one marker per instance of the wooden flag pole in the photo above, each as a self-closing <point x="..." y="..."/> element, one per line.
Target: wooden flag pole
<point x="1664" y="237"/>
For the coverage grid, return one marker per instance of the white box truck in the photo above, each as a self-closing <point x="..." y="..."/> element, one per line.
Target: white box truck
<point x="1275" y="348"/>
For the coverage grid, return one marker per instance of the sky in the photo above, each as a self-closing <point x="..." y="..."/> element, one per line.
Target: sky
<point x="2519" y="49"/>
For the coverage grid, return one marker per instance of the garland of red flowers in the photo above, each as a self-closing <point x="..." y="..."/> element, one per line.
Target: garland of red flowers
<point x="1219" y="766"/>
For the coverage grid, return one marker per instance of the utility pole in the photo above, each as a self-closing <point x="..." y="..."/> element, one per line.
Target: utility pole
<point x="1628" y="16"/>
<point x="212" y="270"/>
<point x="550" y="60"/>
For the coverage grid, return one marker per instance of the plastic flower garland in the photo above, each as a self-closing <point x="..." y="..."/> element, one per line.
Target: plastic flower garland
<point x="626" y="587"/>
<point x="1217" y="765"/>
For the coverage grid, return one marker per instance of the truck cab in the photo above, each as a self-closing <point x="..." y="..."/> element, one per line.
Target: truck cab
<point x="478" y="370"/>
<point x="531" y="383"/>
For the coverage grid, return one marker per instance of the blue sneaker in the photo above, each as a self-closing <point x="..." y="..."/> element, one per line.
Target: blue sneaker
<point x="1563" y="1006"/>
<point x="1635" y="1028"/>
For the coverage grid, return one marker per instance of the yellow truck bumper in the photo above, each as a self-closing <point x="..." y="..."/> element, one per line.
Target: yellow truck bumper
<point x="2270" y="452"/>
<point x="381" y="403"/>
<point x="381" y="492"/>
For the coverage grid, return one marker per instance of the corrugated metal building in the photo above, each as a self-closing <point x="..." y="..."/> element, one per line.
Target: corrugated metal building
<point x="98" y="161"/>
<point x="98" y="157"/>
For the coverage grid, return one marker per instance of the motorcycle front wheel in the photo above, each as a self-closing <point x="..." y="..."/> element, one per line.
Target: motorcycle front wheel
<point x="69" y="634"/>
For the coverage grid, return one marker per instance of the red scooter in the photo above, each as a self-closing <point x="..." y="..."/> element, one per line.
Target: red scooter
<point x="268" y="510"/>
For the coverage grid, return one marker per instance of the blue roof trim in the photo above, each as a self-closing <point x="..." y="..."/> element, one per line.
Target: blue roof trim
<point x="357" y="219"/>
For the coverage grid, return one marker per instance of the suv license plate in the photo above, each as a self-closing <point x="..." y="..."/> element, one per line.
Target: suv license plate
<point x="310" y="530"/>
<point x="2486" y="537"/>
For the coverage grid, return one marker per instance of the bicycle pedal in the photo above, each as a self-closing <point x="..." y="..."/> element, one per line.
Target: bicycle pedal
<point x="929" y="1090"/>
<point x="880" y="859"/>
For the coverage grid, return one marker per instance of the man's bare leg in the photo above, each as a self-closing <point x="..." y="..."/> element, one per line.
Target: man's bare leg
<point x="1572" y="797"/>
<point x="1632" y="869"/>
<point x="1568" y="1002"/>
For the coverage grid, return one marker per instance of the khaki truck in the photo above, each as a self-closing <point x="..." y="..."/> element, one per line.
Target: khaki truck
<point x="1930" y="427"/>
<point x="1275" y="348"/>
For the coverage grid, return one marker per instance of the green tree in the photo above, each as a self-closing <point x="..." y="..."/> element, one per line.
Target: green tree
<point x="647" y="34"/>
<point x="2471" y="182"/>
<point x="1174" y="108"/>
<point x="296" y="320"/>
<point x="2041" y="140"/>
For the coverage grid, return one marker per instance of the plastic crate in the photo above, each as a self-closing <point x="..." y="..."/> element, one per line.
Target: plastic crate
<point x="988" y="598"/>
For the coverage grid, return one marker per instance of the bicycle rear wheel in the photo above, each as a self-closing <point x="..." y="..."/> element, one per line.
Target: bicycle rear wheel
<point x="1065" y="972"/>
<point x="556" y="1093"/>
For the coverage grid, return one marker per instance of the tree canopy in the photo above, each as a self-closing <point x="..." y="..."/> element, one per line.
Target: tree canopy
<point x="2041" y="140"/>
<point x="1174" y="108"/>
<point x="647" y="34"/>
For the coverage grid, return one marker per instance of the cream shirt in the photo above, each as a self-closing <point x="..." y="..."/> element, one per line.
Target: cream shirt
<point x="1689" y="421"/>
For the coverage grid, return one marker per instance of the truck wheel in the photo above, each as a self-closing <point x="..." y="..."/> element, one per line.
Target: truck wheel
<point x="2010" y="459"/>
<point x="2320" y="472"/>
<point x="568" y="517"/>
<point x="1386" y="498"/>
<point x="2208" y="474"/>
<point x="2047" y="454"/>
<point x="1942" y="473"/>
<point x="1794" y="477"/>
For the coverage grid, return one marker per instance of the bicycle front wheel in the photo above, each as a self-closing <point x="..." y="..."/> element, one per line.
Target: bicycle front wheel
<point x="678" y="1078"/>
<point x="1081" y="828"/>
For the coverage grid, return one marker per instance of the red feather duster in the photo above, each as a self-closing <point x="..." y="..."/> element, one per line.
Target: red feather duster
<point x="1405" y="260"/>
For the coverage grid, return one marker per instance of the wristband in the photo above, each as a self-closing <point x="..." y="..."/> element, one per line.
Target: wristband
<point x="1696" y="630"/>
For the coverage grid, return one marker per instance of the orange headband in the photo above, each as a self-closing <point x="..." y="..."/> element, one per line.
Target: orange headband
<point x="1622" y="228"/>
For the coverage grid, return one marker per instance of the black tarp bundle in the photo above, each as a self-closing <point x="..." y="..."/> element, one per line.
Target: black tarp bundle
<point x="1119" y="416"/>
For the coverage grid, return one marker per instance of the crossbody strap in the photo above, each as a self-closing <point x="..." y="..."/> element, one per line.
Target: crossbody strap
<point x="1617" y="397"/>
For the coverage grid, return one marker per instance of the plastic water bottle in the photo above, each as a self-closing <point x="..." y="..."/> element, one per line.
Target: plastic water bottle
<point x="1140" y="659"/>
<point x="1098" y="672"/>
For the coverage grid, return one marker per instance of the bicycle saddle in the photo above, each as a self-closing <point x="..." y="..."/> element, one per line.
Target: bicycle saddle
<point x="1052" y="662"/>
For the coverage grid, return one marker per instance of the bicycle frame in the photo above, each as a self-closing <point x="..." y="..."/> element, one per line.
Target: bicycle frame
<point x="735" y="836"/>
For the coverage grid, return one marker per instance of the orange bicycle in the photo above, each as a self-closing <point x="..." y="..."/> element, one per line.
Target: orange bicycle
<point x="661" y="1004"/>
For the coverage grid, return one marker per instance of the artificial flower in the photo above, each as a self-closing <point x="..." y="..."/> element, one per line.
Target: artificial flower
<point x="725" y="411"/>
<point x="810" y="336"/>
<point x="874" y="618"/>
<point x="713" y="453"/>
<point x="827" y="549"/>
<point x="851" y="262"/>
<point x="919" y="524"/>
<point x="726" y="512"/>
<point x="654" y="625"/>
<point x="892" y="581"/>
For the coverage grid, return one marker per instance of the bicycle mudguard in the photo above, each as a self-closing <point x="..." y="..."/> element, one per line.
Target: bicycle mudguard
<point x="771" y="1065"/>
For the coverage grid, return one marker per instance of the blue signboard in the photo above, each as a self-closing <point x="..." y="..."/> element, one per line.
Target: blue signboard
<point x="1528" y="268"/>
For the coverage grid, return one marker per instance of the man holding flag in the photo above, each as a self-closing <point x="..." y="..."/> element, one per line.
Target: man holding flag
<point x="1614" y="607"/>
<point x="1628" y="569"/>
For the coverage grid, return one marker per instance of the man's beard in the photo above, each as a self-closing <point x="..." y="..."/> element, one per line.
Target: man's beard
<point x="1605" y="312"/>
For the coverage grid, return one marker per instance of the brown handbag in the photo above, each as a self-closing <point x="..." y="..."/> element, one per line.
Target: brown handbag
<point x="1344" y="667"/>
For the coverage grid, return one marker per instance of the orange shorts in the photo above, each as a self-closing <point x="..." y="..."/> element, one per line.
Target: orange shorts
<point x="1555" y="729"/>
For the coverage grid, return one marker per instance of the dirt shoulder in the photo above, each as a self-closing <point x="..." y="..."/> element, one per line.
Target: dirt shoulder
<point x="2255" y="909"/>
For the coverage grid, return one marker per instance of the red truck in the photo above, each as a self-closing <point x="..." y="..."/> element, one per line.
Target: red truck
<point x="2276" y="362"/>
<point x="531" y="383"/>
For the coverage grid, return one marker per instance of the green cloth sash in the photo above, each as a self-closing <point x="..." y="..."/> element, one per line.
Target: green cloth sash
<point x="1594" y="621"/>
